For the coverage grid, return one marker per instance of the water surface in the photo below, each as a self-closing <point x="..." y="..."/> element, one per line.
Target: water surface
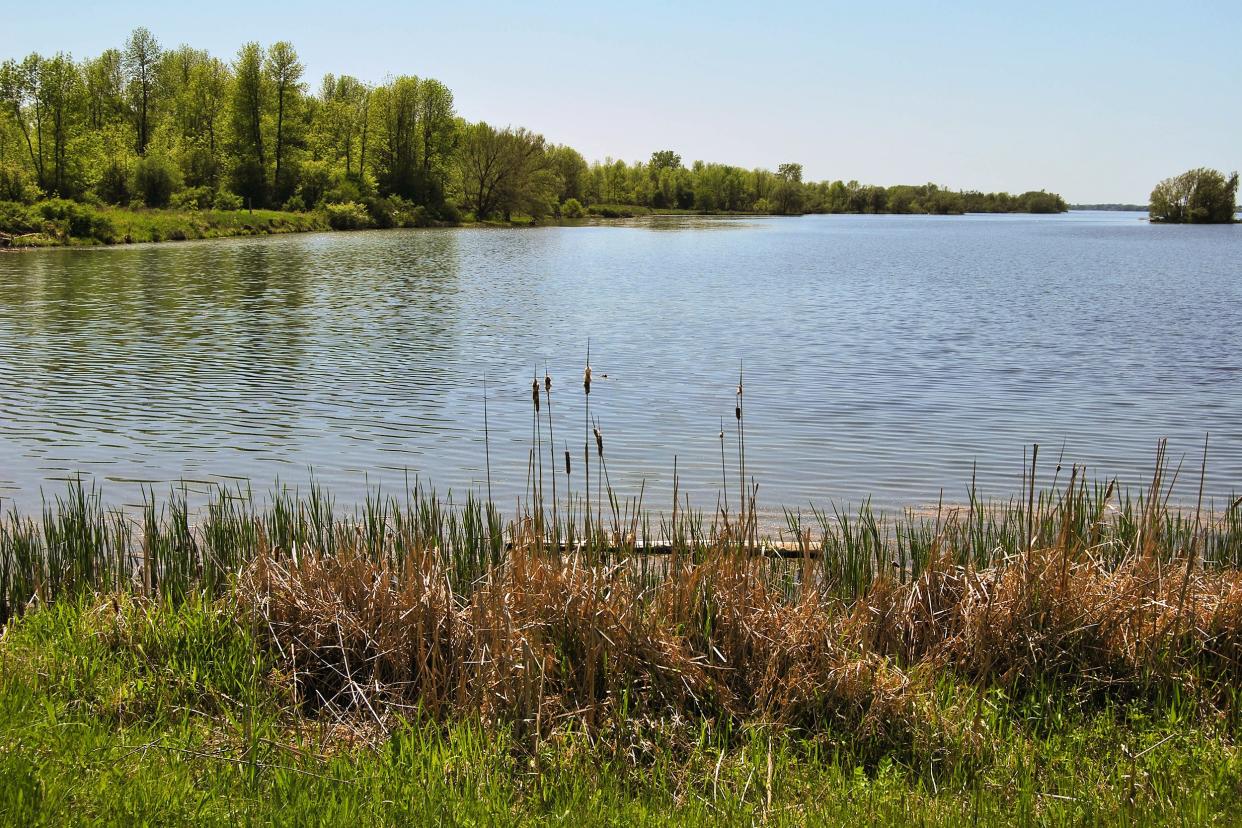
<point x="883" y="356"/>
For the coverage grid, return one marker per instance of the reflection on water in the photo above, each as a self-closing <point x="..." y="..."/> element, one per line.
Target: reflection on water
<point x="883" y="355"/>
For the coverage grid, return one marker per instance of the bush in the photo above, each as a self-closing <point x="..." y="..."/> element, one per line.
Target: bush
<point x="347" y="216"/>
<point x="113" y="184"/>
<point x="762" y="206"/>
<point x="382" y="211"/>
<point x="343" y="192"/>
<point x="572" y="209"/>
<point x="317" y="180"/>
<point x="17" y="219"/>
<point x="77" y="221"/>
<point x="250" y="182"/>
<point x="194" y="198"/>
<point x="155" y="179"/>
<point x="225" y="200"/>
<point x="450" y="212"/>
<point x="294" y="204"/>
<point x="17" y="185"/>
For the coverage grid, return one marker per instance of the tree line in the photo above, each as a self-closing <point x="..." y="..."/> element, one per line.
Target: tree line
<point x="146" y="126"/>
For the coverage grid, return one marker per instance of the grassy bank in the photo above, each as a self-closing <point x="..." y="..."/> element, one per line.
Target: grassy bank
<point x="58" y="223"/>
<point x="65" y="223"/>
<point x="120" y="710"/>
<point x="1070" y="656"/>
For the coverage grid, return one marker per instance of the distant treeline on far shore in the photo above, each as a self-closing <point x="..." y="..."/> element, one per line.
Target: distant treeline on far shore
<point x="1126" y="208"/>
<point x="145" y="126"/>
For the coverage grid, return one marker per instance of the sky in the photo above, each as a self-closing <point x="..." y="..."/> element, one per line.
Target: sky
<point x="1096" y="101"/>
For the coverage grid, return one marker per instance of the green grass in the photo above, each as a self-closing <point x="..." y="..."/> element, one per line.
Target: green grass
<point x="119" y="711"/>
<point x="58" y="222"/>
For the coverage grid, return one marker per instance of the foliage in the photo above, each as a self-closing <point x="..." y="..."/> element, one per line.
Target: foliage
<point x="155" y="179"/>
<point x="348" y="215"/>
<point x="251" y="126"/>
<point x="1198" y="196"/>
<point x="1056" y="660"/>
<point x="572" y="209"/>
<point x="193" y="198"/>
<point x="224" y="200"/>
<point x="113" y="184"/>
<point x="17" y="185"/>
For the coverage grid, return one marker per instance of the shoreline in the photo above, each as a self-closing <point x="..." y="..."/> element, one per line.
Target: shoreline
<point x="156" y="226"/>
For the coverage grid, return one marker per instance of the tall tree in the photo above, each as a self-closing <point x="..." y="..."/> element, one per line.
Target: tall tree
<point x="249" y="102"/>
<point x="18" y="87"/>
<point x="142" y="54"/>
<point x="284" y="72"/>
<point x="504" y="171"/>
<point x="58" y="84"/>
<point x="437" y="126"/>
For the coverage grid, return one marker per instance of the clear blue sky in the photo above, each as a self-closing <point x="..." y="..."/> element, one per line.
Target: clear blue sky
<point x="1097" y="101"/>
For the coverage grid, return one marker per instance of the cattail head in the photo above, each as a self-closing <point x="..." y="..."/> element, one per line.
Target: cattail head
<point x="599" y="442"/>
<point x="567" y="469"/>
<point x="547" y="381"/>
<point x="534" y="393"/>
<point x="737" y="411"/>
<point x="586" y="379"/>
<point x="739" y="389"/>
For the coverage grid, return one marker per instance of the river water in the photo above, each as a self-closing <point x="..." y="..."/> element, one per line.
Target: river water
<point x="883" y="356"/>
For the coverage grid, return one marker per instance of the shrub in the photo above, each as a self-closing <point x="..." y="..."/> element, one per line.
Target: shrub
<point x="295" y="204"/>
<point x="343" y="192"/>
<point x="317" y="180"/>
<point x="762" y="206"/>
<point x="113" y="184"/>
<point x="382" y="211"/>
<point x="77" y="221"/>
<point x="16" y="219"/>
<point x="250" y="182"/>
<point x="17" y="185"/>
<point x="225" y="200"/>
<point x="450" y="212"/>
<point x="349" y="215"/>
<point x="572" y="209"/>
<point x="194" y="198"/>
<point x="155" y="179"/>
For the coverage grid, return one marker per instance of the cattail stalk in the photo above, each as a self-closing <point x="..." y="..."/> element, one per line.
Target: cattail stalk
<point x="547" y="388"/>
<point x="586" y="432"/>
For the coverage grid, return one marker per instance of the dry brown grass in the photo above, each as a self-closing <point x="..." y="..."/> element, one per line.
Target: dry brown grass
<point x="542" y="638"/>
<point x="545" y="638"/>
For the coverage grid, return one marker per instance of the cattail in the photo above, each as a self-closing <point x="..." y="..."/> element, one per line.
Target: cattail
<point x="586" y="379"/>
<point x="737" y="412"/>
<point x="567" y="470"/>
<point x="534" y="393"/>
<point x="547" y="381"/>
<point x="599" y="442"/>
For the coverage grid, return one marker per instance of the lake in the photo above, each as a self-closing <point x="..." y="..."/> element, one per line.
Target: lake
<point x="884" y="356"/>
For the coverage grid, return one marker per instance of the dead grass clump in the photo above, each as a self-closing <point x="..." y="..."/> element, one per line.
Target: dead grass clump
<point x="1142" y="622"/>
<point x="545" y="639"/>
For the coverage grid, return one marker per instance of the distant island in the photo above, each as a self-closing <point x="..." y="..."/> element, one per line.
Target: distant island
<point x="143" y="143"/>
<point x="1198" y="196"/>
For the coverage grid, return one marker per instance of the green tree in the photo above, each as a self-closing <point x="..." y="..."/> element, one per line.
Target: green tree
<point x="787" y="192"/>
<point x="249" y="100"/>
<point x="505" y="171"/>
<point x="284" y="73"/>
<point x="142" y="54"/>
<point x="1198" y="196"/>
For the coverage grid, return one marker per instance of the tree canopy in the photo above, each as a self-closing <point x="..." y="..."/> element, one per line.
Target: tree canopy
<point x="1198" y="196"/>
<point x="147" y="125"/>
